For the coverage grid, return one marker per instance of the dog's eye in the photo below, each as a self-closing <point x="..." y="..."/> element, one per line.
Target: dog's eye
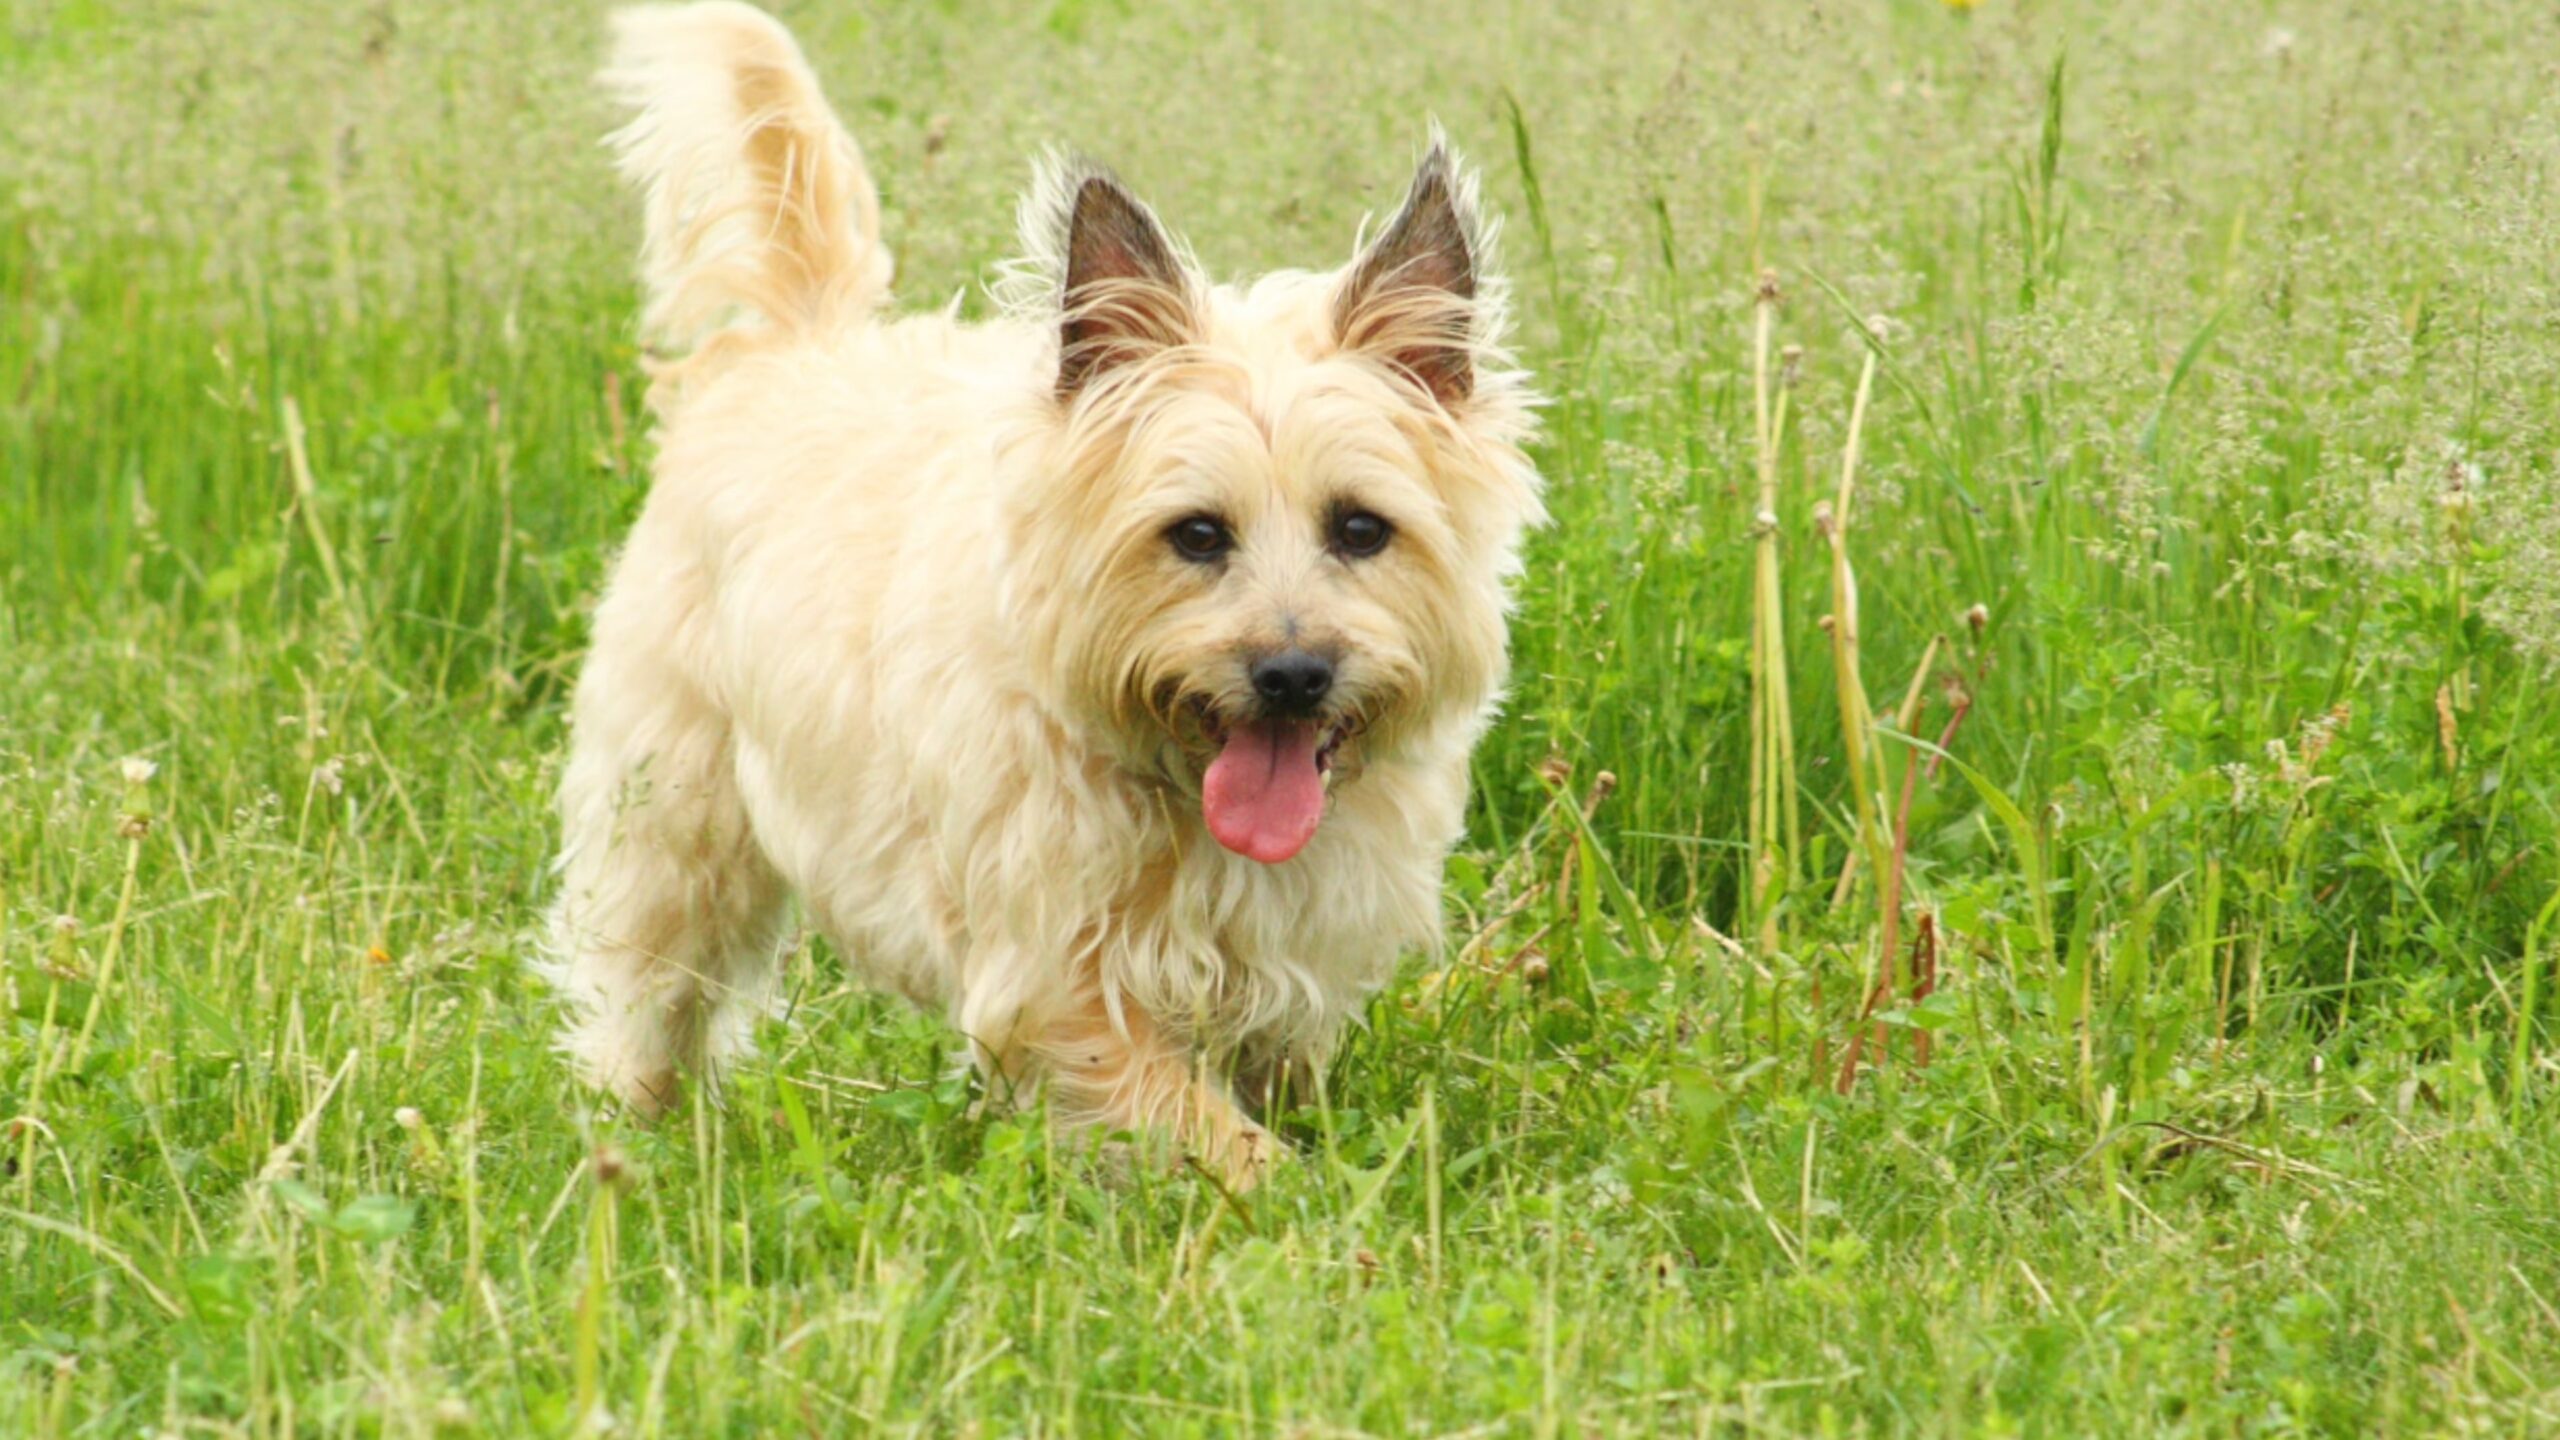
<point x="1201" y="538"/>
<point x="1359" y="534"/>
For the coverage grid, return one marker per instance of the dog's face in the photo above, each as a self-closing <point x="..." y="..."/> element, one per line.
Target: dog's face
<point x="1268" y="544"/>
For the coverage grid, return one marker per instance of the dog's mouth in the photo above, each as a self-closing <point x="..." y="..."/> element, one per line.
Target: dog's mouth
<point x="1263" y="794"/>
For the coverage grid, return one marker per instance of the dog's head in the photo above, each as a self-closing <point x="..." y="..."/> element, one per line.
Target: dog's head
<point x="1267" y="543"/>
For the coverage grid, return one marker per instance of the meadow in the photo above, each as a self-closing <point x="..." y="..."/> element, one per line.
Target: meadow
<point x="2016" y="892"/>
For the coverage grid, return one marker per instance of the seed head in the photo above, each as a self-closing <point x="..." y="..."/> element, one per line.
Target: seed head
<point x="64" y="962"/>
<point x="133" y="821"/>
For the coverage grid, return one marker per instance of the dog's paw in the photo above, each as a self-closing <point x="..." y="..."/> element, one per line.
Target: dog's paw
<point x="1244" y="1158"/>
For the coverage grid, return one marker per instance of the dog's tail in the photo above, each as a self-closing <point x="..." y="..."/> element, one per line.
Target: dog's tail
<point x="761" y="215"/>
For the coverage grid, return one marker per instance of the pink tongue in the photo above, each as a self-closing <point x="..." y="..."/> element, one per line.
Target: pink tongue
<point x="1263" y="796"/>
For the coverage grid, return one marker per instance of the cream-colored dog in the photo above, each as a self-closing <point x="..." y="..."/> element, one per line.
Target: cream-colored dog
<point x="1103" y="675"/>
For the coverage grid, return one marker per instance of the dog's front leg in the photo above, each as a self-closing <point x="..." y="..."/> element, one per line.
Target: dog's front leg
<point x="1130" y="1075"/>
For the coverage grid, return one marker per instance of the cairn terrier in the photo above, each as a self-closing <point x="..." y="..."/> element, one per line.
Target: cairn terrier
<point x="1102" y="676"/>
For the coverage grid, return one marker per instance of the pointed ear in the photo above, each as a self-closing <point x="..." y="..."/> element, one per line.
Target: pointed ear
<point x="1411" y="296"/>
<point x="1125" y="292"/>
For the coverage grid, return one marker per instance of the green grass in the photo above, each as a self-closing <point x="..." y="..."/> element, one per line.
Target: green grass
<point x="2219" y="369"/>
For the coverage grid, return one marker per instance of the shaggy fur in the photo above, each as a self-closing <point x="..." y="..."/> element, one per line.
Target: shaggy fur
<point x="902" y="629"/>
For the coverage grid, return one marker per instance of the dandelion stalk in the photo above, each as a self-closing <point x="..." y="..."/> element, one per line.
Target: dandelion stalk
<point x="135" y="826"/>
<point x="2458" y="501"/>
<point x="31" y="1123"/>
<point x="1774" y="812"/>
<point x="606" y="1168"/>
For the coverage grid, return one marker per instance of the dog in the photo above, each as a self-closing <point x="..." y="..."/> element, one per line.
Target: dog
<point x="1102" y="676"/>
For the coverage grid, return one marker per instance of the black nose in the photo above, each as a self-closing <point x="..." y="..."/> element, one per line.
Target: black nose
<point x="1292" y="682"/>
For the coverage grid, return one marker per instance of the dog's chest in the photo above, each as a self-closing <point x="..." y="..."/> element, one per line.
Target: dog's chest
<point x="1285" y="953"/>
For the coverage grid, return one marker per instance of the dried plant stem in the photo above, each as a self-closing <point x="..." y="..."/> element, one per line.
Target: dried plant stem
<point x="1924" y="979"/>
<point x="1775" y="826"/>
<point x="1857" y="719"/>
<point x="1905" y="717"/>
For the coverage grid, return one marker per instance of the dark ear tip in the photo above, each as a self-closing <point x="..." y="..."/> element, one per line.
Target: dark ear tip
<point x="1102" y="212"/>
<point x="1096" y="187"/>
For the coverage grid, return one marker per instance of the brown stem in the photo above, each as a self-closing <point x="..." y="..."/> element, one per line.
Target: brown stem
<point x="1892" y="897"/>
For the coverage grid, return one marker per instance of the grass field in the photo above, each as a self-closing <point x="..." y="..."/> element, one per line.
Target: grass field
<point x="2188" y="818"/>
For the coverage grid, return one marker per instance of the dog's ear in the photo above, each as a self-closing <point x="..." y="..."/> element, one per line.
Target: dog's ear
<point x="1410" y="298"/>
<point x="1124" y="291"/>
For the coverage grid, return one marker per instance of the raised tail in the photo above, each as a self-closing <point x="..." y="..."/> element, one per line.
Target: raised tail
<point x="761" y="215"/>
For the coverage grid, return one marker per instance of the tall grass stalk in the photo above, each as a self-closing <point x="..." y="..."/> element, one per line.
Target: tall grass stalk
<point x="2520" y="1053"/>
<point x="306" y="502"/>
<point x="1857" y="721"/>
